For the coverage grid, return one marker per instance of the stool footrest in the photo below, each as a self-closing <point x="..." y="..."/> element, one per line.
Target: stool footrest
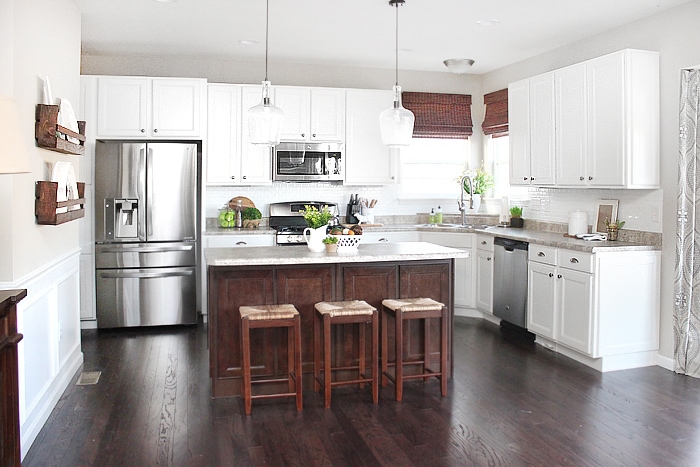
<point x="273" y="396"/>
<point x="276" y="380"/>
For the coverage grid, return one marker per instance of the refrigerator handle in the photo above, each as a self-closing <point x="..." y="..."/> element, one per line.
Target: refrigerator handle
<point x="149" y="192"/>
<point x="144" y="275"/>
<point x="142" y="193"/>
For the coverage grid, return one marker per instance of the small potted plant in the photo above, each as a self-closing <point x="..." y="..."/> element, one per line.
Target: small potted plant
<point x="613" y="228"/>
<point x="251" y="218"/>
<point x="516" y="219"/>
<point x="331" y="243"/>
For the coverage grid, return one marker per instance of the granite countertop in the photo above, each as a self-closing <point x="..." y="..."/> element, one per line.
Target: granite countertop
<point x="366" y="253"/>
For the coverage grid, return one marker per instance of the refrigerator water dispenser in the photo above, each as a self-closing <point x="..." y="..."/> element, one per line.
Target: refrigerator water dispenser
<point x="122" y="219"/>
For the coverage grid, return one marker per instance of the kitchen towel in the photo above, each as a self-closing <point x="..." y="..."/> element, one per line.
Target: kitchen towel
<point x="64" y="175"/>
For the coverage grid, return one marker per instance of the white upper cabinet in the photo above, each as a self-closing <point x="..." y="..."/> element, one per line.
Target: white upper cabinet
<point x="130" y="107"/>
<point x="605" y="121"/>
<point x="367" y="160"/>
<point x="230" y="158"/>
<point x="531" y="130"/>
<point x="311" y="114"/>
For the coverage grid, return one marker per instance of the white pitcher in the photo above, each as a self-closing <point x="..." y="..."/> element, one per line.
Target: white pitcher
<point x="315" y="238"/>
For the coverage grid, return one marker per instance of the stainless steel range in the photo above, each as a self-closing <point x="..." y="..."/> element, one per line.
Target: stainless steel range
<point x="287" y="219"/>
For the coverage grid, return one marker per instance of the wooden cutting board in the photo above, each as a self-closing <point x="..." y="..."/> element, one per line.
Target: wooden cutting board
<point x="245" y="202"/>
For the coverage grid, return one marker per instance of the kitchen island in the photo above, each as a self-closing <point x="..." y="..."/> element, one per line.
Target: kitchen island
<point x="293" y="274"/>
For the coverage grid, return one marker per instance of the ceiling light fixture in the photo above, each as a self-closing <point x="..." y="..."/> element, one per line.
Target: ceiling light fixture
<point x="459" y="65"/>
<point x="396" y="123"/>
<point x="265" y="120"/>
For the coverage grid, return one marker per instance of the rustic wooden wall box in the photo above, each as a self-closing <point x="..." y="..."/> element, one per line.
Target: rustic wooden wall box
<point x="45" y="204"/>
<point x="48" y="132"/>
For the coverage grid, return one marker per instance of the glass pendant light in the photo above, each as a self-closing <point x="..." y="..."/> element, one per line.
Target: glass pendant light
<point x="396" y="123"/>
<point x="265" y="120"/>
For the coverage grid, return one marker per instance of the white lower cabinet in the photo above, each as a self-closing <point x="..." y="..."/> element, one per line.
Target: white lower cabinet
<point x="484" y="273"/>
<point x="464" y="267"/>
<point x="602" y="306"/>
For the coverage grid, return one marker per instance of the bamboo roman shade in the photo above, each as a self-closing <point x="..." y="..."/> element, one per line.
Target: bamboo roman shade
<point x="446" y="116"/>
<point x="496" y="118"/>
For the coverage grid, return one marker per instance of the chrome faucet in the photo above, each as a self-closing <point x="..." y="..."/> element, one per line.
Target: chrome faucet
<point x="461" y="203"/>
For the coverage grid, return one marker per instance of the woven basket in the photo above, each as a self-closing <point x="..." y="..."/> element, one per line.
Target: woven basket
<point x="348" y="243"/>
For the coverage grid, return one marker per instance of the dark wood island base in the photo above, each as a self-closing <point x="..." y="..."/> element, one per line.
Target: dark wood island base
<point x="303" y="284"/>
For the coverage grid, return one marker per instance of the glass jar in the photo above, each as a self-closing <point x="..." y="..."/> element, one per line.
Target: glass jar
<point x="612" y="233"/>
<point x="227" y="217"/>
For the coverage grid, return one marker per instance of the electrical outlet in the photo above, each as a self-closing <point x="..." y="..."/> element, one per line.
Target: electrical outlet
<point x="656" y="214"/>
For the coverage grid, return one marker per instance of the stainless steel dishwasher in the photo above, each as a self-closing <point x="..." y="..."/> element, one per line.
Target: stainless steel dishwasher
<point x="510" y="281"/>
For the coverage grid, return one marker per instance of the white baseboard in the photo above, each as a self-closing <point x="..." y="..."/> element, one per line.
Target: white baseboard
<point x="665" y="362"/>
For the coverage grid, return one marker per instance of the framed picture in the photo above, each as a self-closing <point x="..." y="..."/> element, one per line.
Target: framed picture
<point x="605" y="211"/>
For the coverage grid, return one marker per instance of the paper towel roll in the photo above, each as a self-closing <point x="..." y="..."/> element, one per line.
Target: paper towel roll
<point x="503" y="218"/>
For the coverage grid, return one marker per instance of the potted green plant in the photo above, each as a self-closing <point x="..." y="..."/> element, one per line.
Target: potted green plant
<point x="317" y="220"/>
<point x="613" y="228"/>
<point x="516" y="219"/>
<point x="251" y="217"/>
<point x="482" y="181"/>
<point x="331" y="243"/>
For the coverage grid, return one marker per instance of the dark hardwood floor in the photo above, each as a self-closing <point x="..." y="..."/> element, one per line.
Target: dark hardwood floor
<point x="510" y="403"/>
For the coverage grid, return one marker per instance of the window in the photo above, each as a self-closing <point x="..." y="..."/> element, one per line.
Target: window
<point x="430" y="168"/>
<point x="497" y="150"/>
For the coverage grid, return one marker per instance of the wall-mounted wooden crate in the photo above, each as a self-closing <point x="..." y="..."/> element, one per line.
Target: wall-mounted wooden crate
<point x="45" y="204"/>
<point x="48" y="132"/>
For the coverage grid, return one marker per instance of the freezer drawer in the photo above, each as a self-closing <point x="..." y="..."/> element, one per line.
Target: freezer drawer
<point x="146" y="297"/>
<point x="145" y="255"/>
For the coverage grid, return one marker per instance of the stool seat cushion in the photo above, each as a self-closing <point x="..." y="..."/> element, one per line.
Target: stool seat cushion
<point x="265" y="312"/>
<point x="408" y="305"/>
<point x="347" y="308"/>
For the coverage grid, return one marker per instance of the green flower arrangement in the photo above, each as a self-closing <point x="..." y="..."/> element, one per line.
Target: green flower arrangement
<point x="315" y="218"/>
<point x="251" y="214"/>
<point x="481" y="180"/>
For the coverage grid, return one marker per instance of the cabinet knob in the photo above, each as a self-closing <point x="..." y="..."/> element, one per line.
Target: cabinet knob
<point x="241" y="243"/>
<point x="541" y="254"/>
<point x="393" y="177"/>
<point x="383" y="239"/>
<point x="582" y="178"/>
<point x="590" y="178"/>
<point x="488" y="258"/>
<point x="532" y="178"/>
<point x="244" y="177"/>
<point x="143" y="130"/>
<point x="525" y="178"/>
<point x="303" y="135"/>
<point x="313" y="135"/>
<point x="483" y="242"/>
<point x="155" y="130"/>
<point x="551" y="274"/>
<point x="574" y="260"/>
<point x="558" y="276"/>
<point x="233" y="177"/>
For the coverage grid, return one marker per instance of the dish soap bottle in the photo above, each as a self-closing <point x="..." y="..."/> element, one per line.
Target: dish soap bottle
<point x="438" y="215"/>
<point x="431" y="217"/>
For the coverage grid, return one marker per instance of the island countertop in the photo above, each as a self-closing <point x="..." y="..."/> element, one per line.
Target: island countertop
<point x="366" y="253"/>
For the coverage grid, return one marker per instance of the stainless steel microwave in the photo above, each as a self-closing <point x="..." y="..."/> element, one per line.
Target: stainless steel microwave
<point x="307" y="162"/>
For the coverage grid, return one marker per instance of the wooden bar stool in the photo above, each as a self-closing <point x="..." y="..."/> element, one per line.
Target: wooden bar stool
<point x="348" y="312"/>
<point x="406" y="309"/>
<point x="272" y="316"/>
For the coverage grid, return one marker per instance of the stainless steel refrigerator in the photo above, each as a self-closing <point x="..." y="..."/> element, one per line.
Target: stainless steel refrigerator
<point x="145" y="233"/>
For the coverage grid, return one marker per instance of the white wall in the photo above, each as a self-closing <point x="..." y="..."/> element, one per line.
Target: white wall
<point x="676" y="36"/>
<point x="45" y="42"/>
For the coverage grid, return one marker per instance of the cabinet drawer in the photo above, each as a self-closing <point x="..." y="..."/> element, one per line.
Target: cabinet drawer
<point x="484" y="242"/>
<point x="233" y="241"/>
<point x="576" y="260"/>
<point x="542" y="254"/>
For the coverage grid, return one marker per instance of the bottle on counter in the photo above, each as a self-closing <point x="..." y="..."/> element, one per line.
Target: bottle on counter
<point x="431" y="216"/>
<point x="239" y="214"/>
<point x="438" y="215"/>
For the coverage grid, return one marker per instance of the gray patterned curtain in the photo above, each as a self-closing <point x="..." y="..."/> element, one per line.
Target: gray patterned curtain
<point x="686" y="311"/>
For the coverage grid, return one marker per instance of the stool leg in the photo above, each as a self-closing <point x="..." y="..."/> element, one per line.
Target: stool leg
<point x="375" y="357"/>
<point x="426" y="348"/>
<point x="361" y="358"/>
<point x="327" y="374"/>
<point x="245" y="365"/>
<point x="443" y="353"/>
<point x="297" y="358"/>
<point x="399" y="354"/>
<point x="317" y="351"/>
<point x="385" y="350"/>
<point x="291" y="385"/>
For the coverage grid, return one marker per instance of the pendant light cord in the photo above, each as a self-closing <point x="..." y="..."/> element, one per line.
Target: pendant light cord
<point x="267" y="27"/>
<point x="397" y="42"/>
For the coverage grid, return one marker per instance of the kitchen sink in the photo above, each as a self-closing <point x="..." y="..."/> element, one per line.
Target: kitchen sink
<point x="455" y="226"/>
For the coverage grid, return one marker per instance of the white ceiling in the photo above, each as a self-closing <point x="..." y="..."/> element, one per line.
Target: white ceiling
<point x="357" y="33"/>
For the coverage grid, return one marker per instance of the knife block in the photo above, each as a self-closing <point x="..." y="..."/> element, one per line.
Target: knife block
<point x="350" y="217"/>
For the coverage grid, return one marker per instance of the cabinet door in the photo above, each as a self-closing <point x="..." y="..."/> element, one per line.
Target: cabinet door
<point x="519" y="132"/>
<point x="177" y="106"/>
<point x="575" y="298"/>
<point x="542" y="302"/>
<point x="464" y="267"/>
<point x="484" y="281"/>
<point x="123" y="107"/>
<point x="256" y="160"/>
<point x="223" y="158"/>
<point x="542" y="163"/>
<point x="571" y="126"/>
<point x="237" y="241"/>
<point x="294" y="102"/>
<point x="386" y="237"/>
<point x="367" y="160"/>
<point x="327" y="114"/>
<point x="606" y="131"/>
